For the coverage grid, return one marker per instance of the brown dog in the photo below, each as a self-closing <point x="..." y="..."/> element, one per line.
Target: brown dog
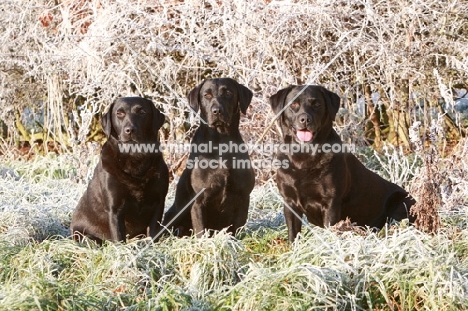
<point x="327" y="186"/>
<point x="126" y="195"/>
<point x="224" y="186"/>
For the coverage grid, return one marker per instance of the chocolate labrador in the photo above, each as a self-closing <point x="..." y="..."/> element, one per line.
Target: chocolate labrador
<point x="218" y="177"/>
<point x="324" y="185"/>
<point x="125" y="197"/>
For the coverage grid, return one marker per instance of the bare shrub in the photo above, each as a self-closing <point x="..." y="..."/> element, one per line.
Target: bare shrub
<point x="65" y="56"/>
<point x="426" y="188"/>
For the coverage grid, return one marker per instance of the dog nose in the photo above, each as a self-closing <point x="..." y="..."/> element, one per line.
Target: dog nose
<point x="304" y="118"/>
<point x="129" y="130"/>
<point x="216" y="110"/>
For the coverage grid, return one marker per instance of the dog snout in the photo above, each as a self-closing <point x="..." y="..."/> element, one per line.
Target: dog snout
<point x="128" y="130"/>
<point x="304" y="119"/>
<point x="216" y="109"/>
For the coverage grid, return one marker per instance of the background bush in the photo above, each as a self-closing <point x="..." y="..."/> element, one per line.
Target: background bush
<point x="392" y="62"/>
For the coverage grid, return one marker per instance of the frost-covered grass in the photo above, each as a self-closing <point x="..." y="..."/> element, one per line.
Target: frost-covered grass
<point x="398" y="268"/>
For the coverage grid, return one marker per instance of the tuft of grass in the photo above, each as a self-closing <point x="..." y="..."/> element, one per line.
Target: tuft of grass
<point x="391" y="163"/>
<point x="405" y="270"/>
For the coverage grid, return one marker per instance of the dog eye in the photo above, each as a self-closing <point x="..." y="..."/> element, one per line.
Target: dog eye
<point x="314" y="103"/>
<point x="120" y="113"/>
<point x="228" y="93"/>
<point x="208" y="96"/>
<point x="294" y="105"/>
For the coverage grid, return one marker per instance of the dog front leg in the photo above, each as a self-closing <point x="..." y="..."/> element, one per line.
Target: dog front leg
<point x="117" y="227"/>
<point x="293" y="221"/>
<point x="332" y="215"/>
<point x="198" y="223"/>
<point x="240" y="215"/>
<point x="154" y="229"/>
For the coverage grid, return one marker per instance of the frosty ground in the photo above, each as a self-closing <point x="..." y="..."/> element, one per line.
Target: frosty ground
<point x="398" y="268"/>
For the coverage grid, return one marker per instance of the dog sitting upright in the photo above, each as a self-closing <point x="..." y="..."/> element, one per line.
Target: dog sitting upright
<point x="328" y="187"/>
<point x="126" y="195"/>
<point x="224" y="202"/>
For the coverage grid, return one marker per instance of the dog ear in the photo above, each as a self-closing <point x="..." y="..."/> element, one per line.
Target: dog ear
<point x="277" y="101"/>
<point x="194" y="97"/>
<point x="333" y="102"/>
<point x="245" y="97"/>
<point x="158" y="118"/>
<point x="106" y="121"/>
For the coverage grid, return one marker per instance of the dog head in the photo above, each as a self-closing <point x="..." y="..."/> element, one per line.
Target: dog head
<point x="132" y="119"/>
<point x="219" y="102"/>
<point x="307" y="111"/>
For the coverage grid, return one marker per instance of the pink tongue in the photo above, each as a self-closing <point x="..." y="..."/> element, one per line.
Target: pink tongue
<point x="304" y="135"/>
